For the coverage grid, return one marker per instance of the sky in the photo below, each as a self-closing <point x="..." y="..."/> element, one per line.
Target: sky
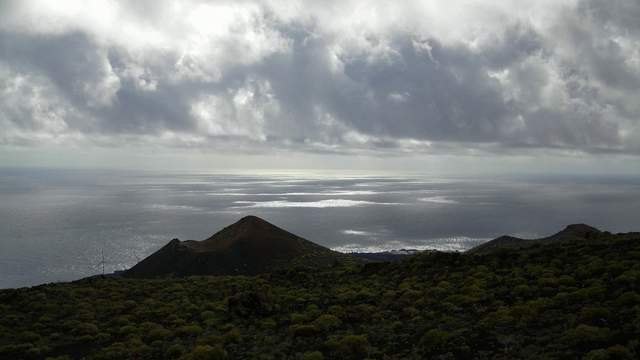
<point x="456" y="86"/>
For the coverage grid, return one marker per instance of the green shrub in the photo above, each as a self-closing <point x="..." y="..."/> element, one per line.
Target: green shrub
<point x="174" y="351"/>
<point x="434" y="341"/>
<point x="159" y="333"/>
<point x="585" y="336"/>
<point x="312" y="355"/>
<point x="206" y="352"/>
<point x="85" y="329"/>
<point x="353" y="347"/>
<point x="189" y="330"/>
<point x="327" y="322"/>
<point x="303" y="330"/>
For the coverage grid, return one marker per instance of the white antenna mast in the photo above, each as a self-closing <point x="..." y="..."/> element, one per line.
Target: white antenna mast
<point x="102" y="259"/>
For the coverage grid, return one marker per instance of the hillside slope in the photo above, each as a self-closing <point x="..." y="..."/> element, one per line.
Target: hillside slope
<point x="561" y="300"/>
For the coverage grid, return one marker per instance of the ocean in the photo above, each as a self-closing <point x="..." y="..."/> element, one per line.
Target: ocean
<point x="60" y="225"/>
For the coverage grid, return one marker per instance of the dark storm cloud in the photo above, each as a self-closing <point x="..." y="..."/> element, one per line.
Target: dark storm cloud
<point x="601" y="45"/>
<point x="258" y="77"/>
<point x="423" y="90"/>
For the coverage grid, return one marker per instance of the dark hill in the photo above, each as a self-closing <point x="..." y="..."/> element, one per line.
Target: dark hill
<point x="249" y="246"/>
<point x="570" y="233"/>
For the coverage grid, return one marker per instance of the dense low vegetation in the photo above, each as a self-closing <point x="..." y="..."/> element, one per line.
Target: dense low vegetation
<point x="575" y="300"/>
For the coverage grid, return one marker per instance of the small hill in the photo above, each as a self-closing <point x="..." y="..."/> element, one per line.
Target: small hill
<point x="574" y="232"/>
<point x="570" y="233"/>
<point x="247" y="247"/>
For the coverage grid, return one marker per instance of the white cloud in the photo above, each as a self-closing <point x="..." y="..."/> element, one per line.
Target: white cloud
<point x="239" y="113"/>
<point x="31" y="110"/>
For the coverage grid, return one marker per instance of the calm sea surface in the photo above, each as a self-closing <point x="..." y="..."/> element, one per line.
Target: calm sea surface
<point x="59" y="224"/>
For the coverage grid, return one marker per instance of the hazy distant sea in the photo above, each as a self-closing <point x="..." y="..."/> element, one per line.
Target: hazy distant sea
<point x="57" y="224"/>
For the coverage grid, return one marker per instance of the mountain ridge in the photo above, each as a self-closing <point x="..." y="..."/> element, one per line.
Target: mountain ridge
<point x="252" y="246"/>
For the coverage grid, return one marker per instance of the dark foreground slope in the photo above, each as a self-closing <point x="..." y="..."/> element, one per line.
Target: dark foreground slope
<point x="248" y="247"/>
<point x="561" y="300"/>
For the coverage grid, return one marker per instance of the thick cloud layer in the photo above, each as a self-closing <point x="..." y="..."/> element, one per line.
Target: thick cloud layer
<point x="330" y="76"/>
